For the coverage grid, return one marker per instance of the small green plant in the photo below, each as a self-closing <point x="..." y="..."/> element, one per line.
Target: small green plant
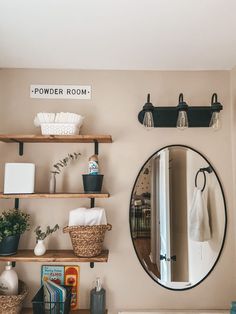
<point x="13" y="222"/>
<point x="40" y="235"/>
<point x="57" y="168"/>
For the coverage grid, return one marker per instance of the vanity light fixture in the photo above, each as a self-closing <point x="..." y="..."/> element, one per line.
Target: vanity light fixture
<point x="181" y="116"/>
<point x="182" y="120"/>
<point x="215" y="122"/>
<point x="148" y="109"/>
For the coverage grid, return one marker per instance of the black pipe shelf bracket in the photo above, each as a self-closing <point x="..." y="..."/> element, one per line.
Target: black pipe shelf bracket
<point x="21" y="147"/>
<point x="17" y="202"/>
<point x="91" y="264"/>
<point x="92" y="202"/>
<point x="166" y="117"/>
<point x="96" y="147"/>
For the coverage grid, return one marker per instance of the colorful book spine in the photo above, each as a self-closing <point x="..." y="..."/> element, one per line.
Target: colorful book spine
<point x="72" y="279"/>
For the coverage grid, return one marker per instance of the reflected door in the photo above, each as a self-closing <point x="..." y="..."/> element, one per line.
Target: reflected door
<point x="164" y="216"/>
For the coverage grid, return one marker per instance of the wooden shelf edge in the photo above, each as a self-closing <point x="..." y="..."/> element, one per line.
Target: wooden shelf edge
<point x="32" y="138"/>
<point x="80" y="311"/>
<point x="54" y="195"/>
<point x="54" y="256"/>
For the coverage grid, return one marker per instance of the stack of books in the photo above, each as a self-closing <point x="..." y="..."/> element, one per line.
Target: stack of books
<point x="54" y="297"/>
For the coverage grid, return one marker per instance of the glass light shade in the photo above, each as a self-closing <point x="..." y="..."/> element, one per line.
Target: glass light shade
<point x="182" y="121"/>
<point x="215" y="122"/>
<point x="148" y="121"/>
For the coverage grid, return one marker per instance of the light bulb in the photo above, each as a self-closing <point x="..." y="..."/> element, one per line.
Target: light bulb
<point x="215" y="122"/>
<point x="182" y="121"/>
<point x="148" y="121"/>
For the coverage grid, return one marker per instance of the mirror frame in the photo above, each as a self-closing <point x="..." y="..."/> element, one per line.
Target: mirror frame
<point x="225" y="211"/>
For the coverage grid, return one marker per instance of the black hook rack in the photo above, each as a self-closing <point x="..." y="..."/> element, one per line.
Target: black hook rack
<point x="203" y="170"/>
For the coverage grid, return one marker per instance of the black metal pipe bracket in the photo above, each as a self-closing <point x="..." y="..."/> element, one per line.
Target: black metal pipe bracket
<point x="96" y="147"/>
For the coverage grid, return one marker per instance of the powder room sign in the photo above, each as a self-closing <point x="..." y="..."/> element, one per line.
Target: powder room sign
<point x="61" y="91"/>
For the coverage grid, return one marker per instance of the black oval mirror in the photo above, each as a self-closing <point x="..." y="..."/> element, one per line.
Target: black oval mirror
<point x="178" y="217"/>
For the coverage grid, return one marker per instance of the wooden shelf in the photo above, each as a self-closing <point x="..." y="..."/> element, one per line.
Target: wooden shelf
<point x="81" y="311"/>
<point x="54" y="256"/>
<point x="20" y="138"/>
<point x="54" y="195"/>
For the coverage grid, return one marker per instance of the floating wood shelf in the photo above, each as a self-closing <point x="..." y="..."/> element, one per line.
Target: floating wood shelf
<point x="54" y="256"/>
<point x="55" y="195"/>
<point x="19" y="138"/>
<point x="81" y="311"/>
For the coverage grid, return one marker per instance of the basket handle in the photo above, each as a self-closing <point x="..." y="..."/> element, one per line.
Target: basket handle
<point x="109" y="227"/>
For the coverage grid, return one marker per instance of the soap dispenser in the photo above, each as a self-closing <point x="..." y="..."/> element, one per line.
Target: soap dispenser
<point x="9" y="281"/>
<point x="98" y="299"/>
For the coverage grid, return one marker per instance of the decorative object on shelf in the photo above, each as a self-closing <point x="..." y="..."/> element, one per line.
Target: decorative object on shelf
<point x="9" y="281"/>
<point x="93" y="181"/>
<point x="40" y="247"/>
<point x="19" y="178"/>
<point x="87" y="241"/>
<point x="58" y="167"/>
<point x="64" y="162"/>
<point x="93" y="167"/>
<point x="62" y="123"/>
<point x="182" y="115"/>
<point x="12" y="224"/>
<point x="12" y="304"/>
<point x="42" y="304"/>
<point x="52" y="183"/>
<point x="98" y="299"/>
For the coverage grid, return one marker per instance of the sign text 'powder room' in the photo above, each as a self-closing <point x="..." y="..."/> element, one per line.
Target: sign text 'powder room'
<point x="61" y="91"/>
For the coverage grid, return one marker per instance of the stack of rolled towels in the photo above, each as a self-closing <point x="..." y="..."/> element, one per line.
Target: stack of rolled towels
<point x="87" y="216"/>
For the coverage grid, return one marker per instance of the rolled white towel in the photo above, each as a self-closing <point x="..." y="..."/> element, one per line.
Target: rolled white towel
<point x="95" y="216"/>
<point x="87" y="217"/>
<point x="77" y="217"/>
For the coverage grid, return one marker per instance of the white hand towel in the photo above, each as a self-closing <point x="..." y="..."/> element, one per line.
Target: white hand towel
<point x="87" y="217"/>
<point x="95" y="216"/>
<point x="199" y="226"/>
<point x="77" y="217"/>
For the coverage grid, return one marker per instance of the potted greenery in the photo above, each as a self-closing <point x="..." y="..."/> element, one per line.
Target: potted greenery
<point x="58" y="167"/>
<point x="13" y="223"/>
<point x="40" y="247"/>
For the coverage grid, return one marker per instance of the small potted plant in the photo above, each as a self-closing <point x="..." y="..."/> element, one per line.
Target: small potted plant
<point x="40" y="247"/>
<point x="58" y="167"/>
<point x="13" y="223"/>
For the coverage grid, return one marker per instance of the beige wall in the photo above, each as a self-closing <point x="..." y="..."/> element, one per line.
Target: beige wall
<point x="117" y="98"/>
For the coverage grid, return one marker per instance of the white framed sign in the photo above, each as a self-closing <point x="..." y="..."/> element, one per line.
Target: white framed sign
<point x="61" y="91"/>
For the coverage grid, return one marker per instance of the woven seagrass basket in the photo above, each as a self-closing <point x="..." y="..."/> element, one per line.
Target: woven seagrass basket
<point x="12" y="304"/>
<point x="87" y="241"/>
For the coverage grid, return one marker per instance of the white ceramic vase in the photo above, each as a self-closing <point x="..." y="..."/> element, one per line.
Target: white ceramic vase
<point x="40" y="248"/>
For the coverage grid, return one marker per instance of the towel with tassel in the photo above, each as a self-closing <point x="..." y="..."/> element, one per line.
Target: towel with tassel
<point x="87" y="217"/>
<point x="199" y="224"/>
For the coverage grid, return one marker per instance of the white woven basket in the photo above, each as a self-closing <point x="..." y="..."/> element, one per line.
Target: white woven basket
<point x="59" y="129"/>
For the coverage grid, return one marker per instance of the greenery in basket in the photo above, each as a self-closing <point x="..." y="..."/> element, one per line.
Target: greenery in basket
<point x="13" y="222"/>
<point x="41" y="235"/>
<point x="57" y="168"/>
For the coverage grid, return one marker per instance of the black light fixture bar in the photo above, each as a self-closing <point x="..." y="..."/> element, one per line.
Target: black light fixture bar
<point x="166" y="117"/>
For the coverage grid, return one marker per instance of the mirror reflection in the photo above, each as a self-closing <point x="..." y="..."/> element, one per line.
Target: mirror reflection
<point x="177" y="217"/>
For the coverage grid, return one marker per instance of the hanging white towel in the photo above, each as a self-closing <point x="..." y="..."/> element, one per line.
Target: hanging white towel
<point x="87" y="216"/>
<point x="199" y="226"/>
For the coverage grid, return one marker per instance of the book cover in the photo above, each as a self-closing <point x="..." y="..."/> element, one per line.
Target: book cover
<point x="53" y="273"/>
<point x="72" y="276"/>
